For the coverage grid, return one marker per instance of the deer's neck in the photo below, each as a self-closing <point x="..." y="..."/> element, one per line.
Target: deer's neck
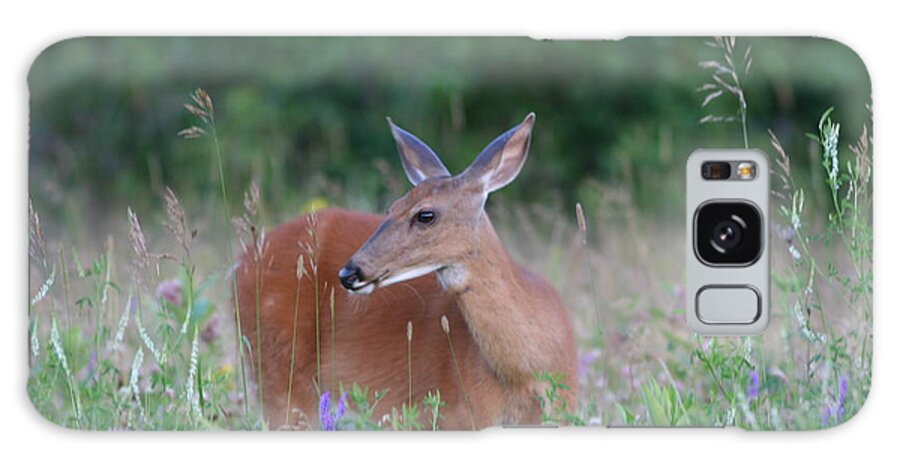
<point x="513" y="317"/>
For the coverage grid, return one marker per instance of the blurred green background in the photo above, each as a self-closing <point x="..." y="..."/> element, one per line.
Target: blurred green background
<point x="306" y="116"/>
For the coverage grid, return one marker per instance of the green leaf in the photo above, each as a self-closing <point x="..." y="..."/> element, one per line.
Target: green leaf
<point x="655" y="402"/>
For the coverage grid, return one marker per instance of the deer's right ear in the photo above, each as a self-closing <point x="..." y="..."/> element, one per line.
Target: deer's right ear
<point x="419" y="161"/>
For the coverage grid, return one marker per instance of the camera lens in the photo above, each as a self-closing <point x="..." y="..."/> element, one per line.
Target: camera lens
<point x="728" y="233"/>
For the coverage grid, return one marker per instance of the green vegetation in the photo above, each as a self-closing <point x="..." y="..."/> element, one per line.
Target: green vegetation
<point x="131" y="322"/>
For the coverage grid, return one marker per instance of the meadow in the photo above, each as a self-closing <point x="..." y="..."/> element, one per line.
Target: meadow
<point x="135" y="226"/>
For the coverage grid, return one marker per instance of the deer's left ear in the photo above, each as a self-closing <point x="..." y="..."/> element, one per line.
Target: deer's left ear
<point x="500" y="162"/>
<point x="419" y="161"/>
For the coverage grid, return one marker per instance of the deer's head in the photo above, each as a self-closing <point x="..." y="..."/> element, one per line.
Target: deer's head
<point x="434" y="226"/>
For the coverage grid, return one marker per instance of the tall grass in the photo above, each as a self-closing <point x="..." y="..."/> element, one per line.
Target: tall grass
<point x="202" y="107"/>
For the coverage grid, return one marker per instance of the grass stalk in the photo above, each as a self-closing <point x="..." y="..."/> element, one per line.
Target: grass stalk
<point x="290" y="389"/>
<point x="333" y="346"/>
<point x="409" y="336"/>
<point x="259" y="358"/>
<point x="445" y="326"/>
<point x="205" y="110"/>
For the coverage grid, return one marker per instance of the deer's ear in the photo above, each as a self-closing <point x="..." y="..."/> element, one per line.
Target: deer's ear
<point x="501" y="161"/>
<point x="419" y="161"/>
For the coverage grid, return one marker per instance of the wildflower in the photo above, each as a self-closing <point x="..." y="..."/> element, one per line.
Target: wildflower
<point x="843" y="387"/>
<point x="45" y="288"/>
<point x="190" y="387"/>
<point x="225" y="370"/>
<point x="836" y="410"/>
<point x="314" y="204"/>
<point x="56" y="341"/>
<point x="341" y="407"/>
<point x="831" y="152"/>
<point x="328" y="417"/>
<point x="826" y="416"/>
<point x="123" y="323"/>
<point x="753" y="387"/>
<point x="170" y="290"/>
<point x="829" y="137"/>
<point x="35" y="343"/>
<point x="787" y="233"/>
<point x="133" y="385"/>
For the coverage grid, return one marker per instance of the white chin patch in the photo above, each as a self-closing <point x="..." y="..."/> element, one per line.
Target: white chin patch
<point x="408" y="274"/>
<point x="364" y="290"/>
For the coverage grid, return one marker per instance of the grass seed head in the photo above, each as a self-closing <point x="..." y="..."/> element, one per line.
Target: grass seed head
<point x="138" y="241"/>
<point x="582" y="222"/>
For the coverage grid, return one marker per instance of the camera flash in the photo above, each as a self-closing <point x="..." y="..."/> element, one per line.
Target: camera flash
<point x="746" y="170"/>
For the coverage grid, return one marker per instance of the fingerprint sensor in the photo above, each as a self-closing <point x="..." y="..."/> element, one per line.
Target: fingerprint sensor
<point x="726" y="304"/>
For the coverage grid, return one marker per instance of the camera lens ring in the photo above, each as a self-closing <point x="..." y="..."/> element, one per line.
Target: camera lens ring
<point x="749" y="244"/>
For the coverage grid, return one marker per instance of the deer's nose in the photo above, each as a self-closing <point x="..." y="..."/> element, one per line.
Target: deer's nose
<point x="350" y="275"/>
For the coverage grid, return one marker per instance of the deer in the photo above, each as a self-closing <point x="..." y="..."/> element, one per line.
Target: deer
<point x="428" y="300"/>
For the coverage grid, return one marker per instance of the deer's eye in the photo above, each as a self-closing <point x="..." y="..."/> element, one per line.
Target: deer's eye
<point x="425" y="217"/>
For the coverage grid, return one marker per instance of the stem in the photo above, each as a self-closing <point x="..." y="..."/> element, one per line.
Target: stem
<point x="409" y="361"/>
<point x="333" y="345"/>
<point x="318" y="337"/>
<point x="259" y="365"/>
<point x="287" y="410"/>
<point x="239" y="332"/>
<point x="459" y="379"/>
<point x="744" y="127"/>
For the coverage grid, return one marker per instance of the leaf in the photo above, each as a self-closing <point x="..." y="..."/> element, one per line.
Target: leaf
<point x="654" y="401"/>
<point x="628" y="418"/>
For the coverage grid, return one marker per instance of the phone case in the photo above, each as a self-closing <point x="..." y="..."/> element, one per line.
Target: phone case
<point x="435" y="233"/>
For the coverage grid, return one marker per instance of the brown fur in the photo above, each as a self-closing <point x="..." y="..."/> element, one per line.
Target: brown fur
<point x="529" y="332"/>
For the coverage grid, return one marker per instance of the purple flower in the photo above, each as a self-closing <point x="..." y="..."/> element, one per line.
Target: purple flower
<point x="837" y="409"/>
<point x="327" y="417"/>
<point x="324" y="413"/>
<point x="170" y="290"/>
<point x="753" y="387"/>
<point x="826" y="416"/>
<point x="843" y="387"/>
<point x="341" y="407"/>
